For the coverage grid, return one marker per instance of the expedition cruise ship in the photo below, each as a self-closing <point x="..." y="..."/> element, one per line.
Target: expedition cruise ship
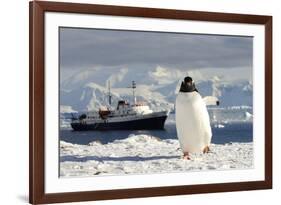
<point x="126" y="116"/>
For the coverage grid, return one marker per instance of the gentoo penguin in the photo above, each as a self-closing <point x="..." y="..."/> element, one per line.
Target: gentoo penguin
<point x="192" y="119"/>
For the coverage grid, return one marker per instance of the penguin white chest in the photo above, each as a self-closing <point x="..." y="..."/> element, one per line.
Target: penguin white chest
<point x="192" y="122"/>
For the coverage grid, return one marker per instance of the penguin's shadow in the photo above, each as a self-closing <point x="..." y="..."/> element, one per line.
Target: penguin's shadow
<point x="77" y="158"/>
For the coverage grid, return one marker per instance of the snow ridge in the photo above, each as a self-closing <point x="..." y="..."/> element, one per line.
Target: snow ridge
<point x="144" y="154"/>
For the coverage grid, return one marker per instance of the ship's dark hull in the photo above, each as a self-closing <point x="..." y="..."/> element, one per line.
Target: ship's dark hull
<point x="140" y="124"/>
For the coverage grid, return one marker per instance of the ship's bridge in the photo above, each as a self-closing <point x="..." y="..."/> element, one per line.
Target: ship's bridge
<point x="124" y="107"/>
<point x="141" y="109"/>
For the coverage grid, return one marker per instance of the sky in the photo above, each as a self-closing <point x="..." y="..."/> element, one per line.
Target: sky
<point x="163" y="56"/>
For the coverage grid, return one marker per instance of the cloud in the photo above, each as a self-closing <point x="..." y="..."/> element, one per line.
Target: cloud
<point x="117" y="77"/>
<point x="165" y="76"/>
<point x="81" y="48"/>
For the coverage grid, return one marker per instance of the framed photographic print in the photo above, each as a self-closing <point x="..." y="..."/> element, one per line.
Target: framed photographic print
<point x="138" y="102"/>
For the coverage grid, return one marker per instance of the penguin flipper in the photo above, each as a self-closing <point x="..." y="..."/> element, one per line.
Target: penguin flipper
<point x="211" y="100"/>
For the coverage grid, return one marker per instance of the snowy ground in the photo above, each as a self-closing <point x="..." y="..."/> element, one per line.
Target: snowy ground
<point x="146" y="154"/>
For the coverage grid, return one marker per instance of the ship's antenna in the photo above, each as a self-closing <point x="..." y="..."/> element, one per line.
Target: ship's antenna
<point x="133" y="87"/>
<point x="109" y="93"/>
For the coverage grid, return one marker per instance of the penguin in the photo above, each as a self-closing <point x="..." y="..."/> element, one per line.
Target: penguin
<point x="192" y="119"/>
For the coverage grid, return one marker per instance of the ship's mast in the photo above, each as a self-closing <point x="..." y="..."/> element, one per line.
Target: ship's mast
<point x="109" y="93"/>
<point x="134" y="96"/>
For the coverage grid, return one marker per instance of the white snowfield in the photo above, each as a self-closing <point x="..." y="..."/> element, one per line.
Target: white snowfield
<point x="141" y="154"/>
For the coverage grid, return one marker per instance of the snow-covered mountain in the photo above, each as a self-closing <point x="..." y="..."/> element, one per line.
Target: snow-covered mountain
<point x="88" y="91"/>
<point x="92" y="96"/>
<point x="88" y="97"/>
<point x="229" y="94"/>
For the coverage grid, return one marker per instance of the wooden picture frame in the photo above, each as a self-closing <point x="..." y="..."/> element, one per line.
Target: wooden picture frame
<point x="37" y="98"/>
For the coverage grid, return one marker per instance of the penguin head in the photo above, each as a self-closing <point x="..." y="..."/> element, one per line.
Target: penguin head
<point x="188" y="81"/>
<point x="188" y="85"/>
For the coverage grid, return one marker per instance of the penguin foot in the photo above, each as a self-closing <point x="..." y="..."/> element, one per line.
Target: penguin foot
<point x="206" y="150"/>
<point x="186" y="156"/>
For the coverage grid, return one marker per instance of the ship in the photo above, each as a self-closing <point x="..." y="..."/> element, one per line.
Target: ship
<point x="126" y="116"/>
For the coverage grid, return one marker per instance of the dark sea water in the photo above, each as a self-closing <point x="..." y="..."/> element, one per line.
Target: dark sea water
<point x="231" y="132"/>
